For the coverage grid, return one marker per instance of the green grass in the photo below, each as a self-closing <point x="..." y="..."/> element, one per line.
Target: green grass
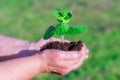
<point x="28" y="19"/>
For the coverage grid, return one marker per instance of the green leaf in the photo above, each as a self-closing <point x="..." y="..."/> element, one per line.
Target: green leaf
<point x="76" y="30"/>
<point x="68" y="16"/>
<point x="58" y="15"/>
<point x="61" y="29"/>
<point x="59" y="20"/>
<point x="64" y="11"/>
<point x="49" y="32"/>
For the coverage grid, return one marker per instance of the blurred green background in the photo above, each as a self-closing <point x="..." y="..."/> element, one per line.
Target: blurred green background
<point x="28" y="19"/>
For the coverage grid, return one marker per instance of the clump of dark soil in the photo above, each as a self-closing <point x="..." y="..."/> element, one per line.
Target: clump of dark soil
<point x="72" y="46"/>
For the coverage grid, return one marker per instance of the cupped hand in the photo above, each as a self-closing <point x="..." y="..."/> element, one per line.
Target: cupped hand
<point x="58" y="61"/>
<point x="62" y="62"/>
<point x="41" y="42"/>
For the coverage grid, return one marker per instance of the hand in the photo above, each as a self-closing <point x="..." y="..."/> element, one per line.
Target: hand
<point x="58" y="61"/>
<point x="62" y="62"/>
<point x="41" y="42"/>
<point x="33" y="61"/>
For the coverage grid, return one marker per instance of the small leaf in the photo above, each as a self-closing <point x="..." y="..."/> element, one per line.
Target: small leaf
<point x="59" y="20"/>
<point x="76" y="30"/>
<point x="49" y="32"/>
<point x="58" y="15"/>
<point x="61" y="29"/>
<point x="64" y="11"/>
<point x="68" y="16"/>
<point x="55" y="12"/>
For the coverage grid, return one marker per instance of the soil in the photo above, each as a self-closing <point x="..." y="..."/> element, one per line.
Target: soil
<point x="72" y="46"/>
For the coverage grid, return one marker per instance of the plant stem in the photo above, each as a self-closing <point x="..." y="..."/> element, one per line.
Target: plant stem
<point x="63" y="39"/>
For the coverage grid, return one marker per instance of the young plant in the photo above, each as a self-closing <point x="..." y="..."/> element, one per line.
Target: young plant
<point x="63" y="17"/>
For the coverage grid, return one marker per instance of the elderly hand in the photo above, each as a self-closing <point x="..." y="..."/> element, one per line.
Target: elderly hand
<point x="25" y="60"/>
<point x="58" y="61"/>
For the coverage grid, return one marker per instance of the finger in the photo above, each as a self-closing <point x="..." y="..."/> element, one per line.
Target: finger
<point x="70" y="63"/>
<point x="57" y="39"/>
<point x="70" y="55"/>
<point x="78" y="64"/>
<point x="64" y="55"/>
<point x="84" y="51"/>
<point x="41" y="42"/>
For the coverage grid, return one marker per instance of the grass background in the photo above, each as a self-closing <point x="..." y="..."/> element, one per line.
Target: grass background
<point x="28" y="19"/>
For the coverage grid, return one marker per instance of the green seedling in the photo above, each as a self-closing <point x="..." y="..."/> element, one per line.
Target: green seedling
<point x="63" y="17"/>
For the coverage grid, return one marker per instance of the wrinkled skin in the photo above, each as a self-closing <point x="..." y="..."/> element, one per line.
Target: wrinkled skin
<point x="58" y="61"/>
<point x="25" y="60"/>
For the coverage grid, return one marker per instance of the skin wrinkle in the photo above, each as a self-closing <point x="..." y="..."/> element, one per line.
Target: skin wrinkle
<point x="80" y="59"/>
<point x="83" y="57"/>
<point x="78" y="64"/>
<point x="68" y="66"/>
<point x="68" y="62"/>
<point x="55" y="70"/>
<point x="52" y="61"/>
<point x="70" y="55"/>
<point x="65" y="55"/>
